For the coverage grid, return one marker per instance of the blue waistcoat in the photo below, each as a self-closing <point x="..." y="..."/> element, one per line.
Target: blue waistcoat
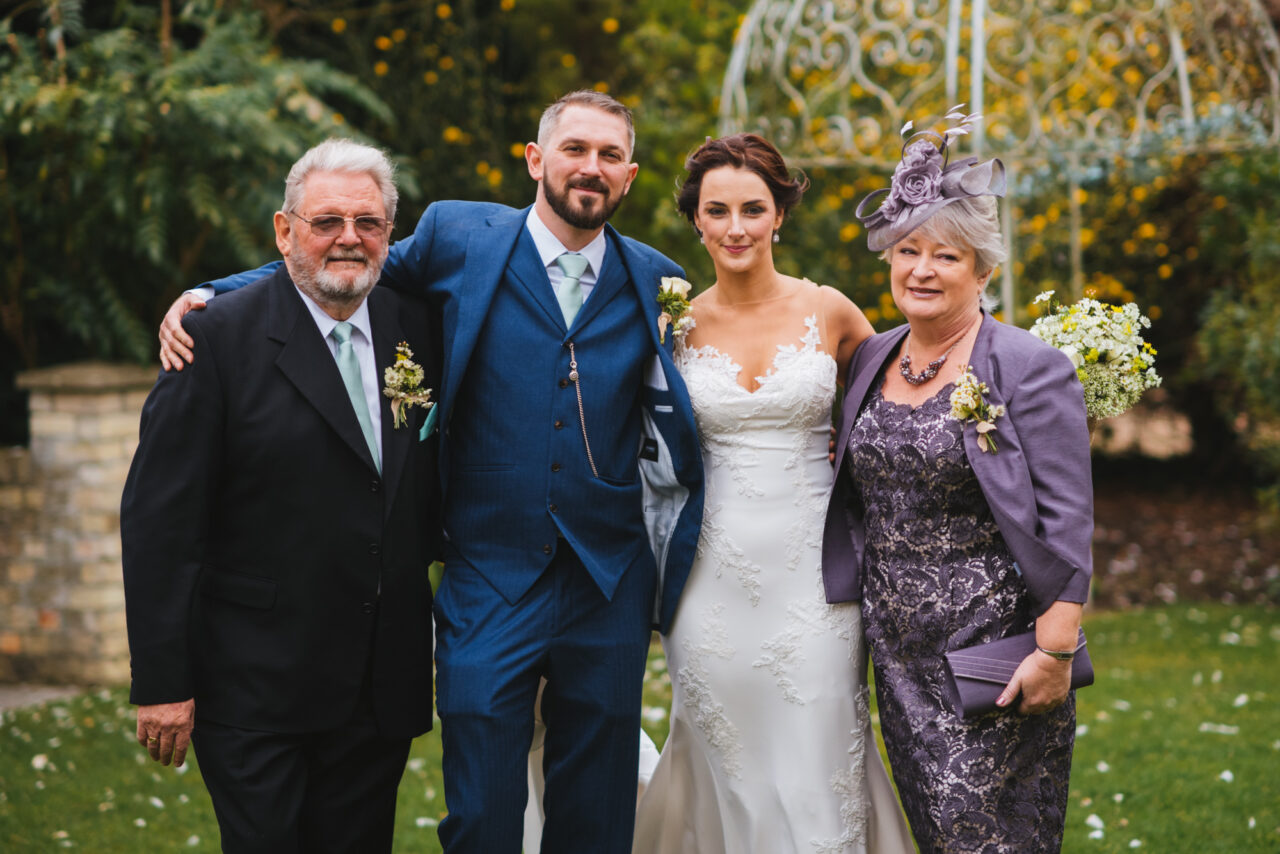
<point x="518" y="474"/>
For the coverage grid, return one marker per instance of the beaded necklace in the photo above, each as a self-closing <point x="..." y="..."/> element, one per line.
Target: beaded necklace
<point x="930" y="371"/>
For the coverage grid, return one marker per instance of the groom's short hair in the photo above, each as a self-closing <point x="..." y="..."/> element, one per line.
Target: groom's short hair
<point x="586" y="98"/>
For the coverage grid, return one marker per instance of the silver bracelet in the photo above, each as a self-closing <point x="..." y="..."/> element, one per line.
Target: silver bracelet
<point x="1056" y="654"/>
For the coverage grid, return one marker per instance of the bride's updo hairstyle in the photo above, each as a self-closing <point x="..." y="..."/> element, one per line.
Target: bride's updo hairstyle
<point x="741" y="151"/>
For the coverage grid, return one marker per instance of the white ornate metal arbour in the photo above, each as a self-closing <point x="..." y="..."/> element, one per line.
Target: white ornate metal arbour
<point x="1061" y="82"/>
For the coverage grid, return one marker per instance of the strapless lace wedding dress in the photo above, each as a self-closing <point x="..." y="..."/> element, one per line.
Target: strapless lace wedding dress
<point x="770" y="749"/>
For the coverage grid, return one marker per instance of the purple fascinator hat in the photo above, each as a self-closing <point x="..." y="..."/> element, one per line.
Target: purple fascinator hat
<point x="924" y="183"/>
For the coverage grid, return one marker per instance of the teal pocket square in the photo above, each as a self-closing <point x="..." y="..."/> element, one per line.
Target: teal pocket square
<point x="428" y="424"/>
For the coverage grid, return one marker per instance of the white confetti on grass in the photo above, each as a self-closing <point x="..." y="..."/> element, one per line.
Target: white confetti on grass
<point x="139" y="822"/>
<point x="1219" y="729"/>
<point x="39" y="762"/>
<point x="1095" y="834"/>
<point x="1082" y="730"/>
<point x="425" y="821"/>
<point x="1226" y="777"/>
<point x="1121" y="705"/>
<point x="1094" y="821"/>
<point x="417" y="764"/>
<point x="1135" y="843"/>
<point x="1240" y="700"/>
<point x="654" y="714"/>
<point x="156" y="802"/>
<point x="193" y="841"/>
<point x="1118" y="797"/>
<point x="1102" y="766"/>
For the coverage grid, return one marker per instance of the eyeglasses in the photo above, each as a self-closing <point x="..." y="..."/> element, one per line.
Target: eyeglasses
<point x="331" y="225"/>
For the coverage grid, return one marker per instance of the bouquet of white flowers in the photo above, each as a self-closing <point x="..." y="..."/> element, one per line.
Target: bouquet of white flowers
<point x="1105" y="344"/>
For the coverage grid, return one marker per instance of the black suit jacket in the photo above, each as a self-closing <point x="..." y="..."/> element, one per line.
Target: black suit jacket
<point x="269" y="569"/>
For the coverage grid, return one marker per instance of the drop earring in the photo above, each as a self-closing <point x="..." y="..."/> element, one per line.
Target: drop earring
<point x="776" y="238"/>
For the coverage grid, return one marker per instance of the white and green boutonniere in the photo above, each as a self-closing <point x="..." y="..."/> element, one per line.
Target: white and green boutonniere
<point x="673" y="299"/>
<point x="968" y="404"/>
<point x="403" y="384"/>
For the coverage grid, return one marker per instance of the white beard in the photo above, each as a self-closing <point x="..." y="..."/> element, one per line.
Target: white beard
<point x="324" y="287"/>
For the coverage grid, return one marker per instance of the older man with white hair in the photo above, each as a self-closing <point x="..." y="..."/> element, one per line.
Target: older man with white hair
<point x="278" y="522"/>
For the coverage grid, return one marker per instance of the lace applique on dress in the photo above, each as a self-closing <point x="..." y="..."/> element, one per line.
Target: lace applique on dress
<point x="709" y="714"/>
<point x="755" y="650"/>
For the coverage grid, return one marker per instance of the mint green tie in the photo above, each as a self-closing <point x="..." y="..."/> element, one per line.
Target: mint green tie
<point x="570" y="294"/>
<point x="349" y="367"/>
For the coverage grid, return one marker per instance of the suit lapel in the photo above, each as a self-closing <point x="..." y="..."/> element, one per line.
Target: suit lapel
<point x="306" y="361"/>
<point x="387" y="334"/>
<point x="526" y="268"/>
<point x="1008" y="455"/>
<point x="488" y="248"/>
<point x="608" y="282"/>
<point x="644" y="278"/>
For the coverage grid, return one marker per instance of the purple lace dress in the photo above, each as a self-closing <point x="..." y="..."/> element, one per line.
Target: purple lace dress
<point x="937" y="577"/>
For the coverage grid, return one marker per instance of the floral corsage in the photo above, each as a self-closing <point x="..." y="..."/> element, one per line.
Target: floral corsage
<point x="403" y="384"/>
<point x="673" y="299"/>
<point x="968" y="404"/>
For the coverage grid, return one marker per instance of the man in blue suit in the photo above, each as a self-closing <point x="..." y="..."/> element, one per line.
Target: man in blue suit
<point x="572" y="485"/>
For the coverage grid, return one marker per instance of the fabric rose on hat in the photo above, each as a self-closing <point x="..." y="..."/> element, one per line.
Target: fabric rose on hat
<point x="918" y="178"/>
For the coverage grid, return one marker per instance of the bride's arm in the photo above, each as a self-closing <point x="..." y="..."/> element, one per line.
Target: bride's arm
<point x="847" y="327"/>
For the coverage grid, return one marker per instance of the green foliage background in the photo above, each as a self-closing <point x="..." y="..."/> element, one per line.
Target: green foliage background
<point x="144" y="145"/>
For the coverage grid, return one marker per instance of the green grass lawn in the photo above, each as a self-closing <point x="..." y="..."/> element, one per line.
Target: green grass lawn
<point x="1178" y="749"/>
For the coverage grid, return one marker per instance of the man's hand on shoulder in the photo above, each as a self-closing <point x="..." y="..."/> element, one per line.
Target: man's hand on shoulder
<point x="175" y="344"/>
<point x="164" y="730"/>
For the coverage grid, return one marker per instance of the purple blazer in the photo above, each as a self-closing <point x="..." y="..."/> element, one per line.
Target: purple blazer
<point x="1039" y="486"/>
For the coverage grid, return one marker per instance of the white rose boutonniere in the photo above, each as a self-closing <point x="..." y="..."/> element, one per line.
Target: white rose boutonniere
<point x="673" y="299"/>
<point x="968" y="404"/>
<point x="403" y="384"/>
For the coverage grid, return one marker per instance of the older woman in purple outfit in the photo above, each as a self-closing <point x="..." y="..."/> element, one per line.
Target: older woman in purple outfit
<point x="952" y="537"/>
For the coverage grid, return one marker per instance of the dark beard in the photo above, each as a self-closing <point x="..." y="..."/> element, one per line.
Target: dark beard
<point x="586" y="219"/>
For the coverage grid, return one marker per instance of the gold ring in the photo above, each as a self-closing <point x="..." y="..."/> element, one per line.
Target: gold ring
<point x="151" y="739"/>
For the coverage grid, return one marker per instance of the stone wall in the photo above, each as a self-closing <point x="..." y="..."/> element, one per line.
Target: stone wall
<point x="61" y="595"/>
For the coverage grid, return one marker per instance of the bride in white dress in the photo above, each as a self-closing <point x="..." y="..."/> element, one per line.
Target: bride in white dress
<point x="770" y="749"/>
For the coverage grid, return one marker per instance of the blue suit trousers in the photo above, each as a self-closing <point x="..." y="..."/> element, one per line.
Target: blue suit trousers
<point x="490" y="656"/>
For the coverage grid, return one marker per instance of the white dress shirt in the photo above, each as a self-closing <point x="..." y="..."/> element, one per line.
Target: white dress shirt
<point x="550" y="248"/>
<point x="362" y="343"/>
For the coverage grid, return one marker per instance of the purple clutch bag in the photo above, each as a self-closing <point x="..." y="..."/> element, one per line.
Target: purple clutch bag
<point x="980" y="672"/>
